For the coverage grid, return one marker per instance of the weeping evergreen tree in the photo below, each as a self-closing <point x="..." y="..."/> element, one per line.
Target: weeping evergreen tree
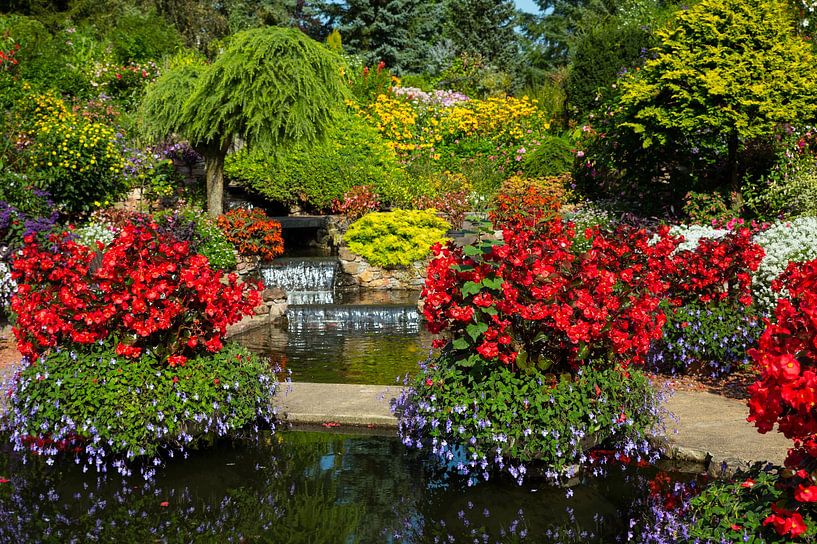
<point x="270" y="87"/>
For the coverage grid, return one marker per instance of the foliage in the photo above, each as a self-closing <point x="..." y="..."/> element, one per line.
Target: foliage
<point x="552" y="157"/>
<point x="484" y="28"/>
<point x="201" y="232"/>
<point x="396" y="32"/>
<point x="146" y="289"/>
<point x="504" y="420"/>
<point x="23" y="211"/>
<point x="709" y="339"/>
<point x="738" y="509"/>
<point x="717" y="78"/>
<point x="396" y="238"/>
<point x="451" y="194"/>
<point x="154" y="174"/>
<point x="790" y="188"/>
<point x="125" y="82"/>
<point x="139" y="37"/>
<point x="314" y="175"/>
<point x="705" y="208"/>
<point x="357" y="202"/>
<point x="783" y="242"/>
<point x="91" y="400"/>
<point x="77" y="161"/>
<point x="366" y="84"/>
<point x="602" y="54"/>
<point x="252" y="233"/>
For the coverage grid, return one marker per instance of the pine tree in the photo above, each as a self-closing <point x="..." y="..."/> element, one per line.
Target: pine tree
<point x="485" y="28"/>
<point x="396" y="32"/>
<point x="270" y="87"/>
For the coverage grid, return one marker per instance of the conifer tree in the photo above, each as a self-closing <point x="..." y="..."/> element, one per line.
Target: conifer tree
<point x="270" y="87"/>
<point x="397" y="32"/>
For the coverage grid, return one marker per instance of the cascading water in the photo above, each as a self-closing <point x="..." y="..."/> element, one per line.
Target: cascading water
<point x="332" y="335"/>
<point x="307" y="274"/>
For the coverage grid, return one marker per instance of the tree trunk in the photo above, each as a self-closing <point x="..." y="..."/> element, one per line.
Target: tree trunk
<point x="214" y="176"/>
<point x="734" y="179"/>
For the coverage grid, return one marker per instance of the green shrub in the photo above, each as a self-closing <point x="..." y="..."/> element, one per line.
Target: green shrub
<point x="552" y="158"/>
<point x="788" y="190"/>
<point x="133" y="408"/>
<point x="141" y="37"/>
<point x="602" y="53"/>
<point x="316" y="174"/>
<point x="396" y="238"/>
<point x="703" y="208"/>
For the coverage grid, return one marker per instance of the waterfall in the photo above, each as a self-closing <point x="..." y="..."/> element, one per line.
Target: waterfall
<point x="351" y="317"/>
<point x="310" y="275"/>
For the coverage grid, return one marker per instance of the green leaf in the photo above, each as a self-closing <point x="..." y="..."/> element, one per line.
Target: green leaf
<point x="472" y="251"/>
<point x="471" y="288"/>
<point x="460" y="344"/>
<point x="474" y="330"/>
<point x="493" y="283"/>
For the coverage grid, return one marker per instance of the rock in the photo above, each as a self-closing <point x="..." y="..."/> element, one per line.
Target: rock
<point x="345" y="254"/>
<point x="273" y="294"/>
<point x="352" y="267"/>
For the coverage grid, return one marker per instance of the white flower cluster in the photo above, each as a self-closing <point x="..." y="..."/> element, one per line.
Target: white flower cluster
<point x="809" y="8"/>
<point x="694" y="233"/>
<point x="94" y="232"/>
<point x="588" y="215"/>
<point x="784" y="242"/>
<point x="7" y="287"/>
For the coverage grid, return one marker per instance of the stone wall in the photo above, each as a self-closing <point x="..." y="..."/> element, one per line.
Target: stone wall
<point x="272" y="308"/>
<point x="357" y="272"/>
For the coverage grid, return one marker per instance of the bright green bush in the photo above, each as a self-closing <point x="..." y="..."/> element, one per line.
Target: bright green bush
<point x="396" y="238"/>
<point x="142" y="36"/>
<point x="135" y="408"/>
<point x="314" y="175"/>
<point x="552" y="158"/>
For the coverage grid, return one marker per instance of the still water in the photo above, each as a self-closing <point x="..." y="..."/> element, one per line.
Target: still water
<point x="303" y="487"/>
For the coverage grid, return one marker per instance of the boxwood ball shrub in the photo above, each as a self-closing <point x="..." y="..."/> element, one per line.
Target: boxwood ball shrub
<point x="553" y="157"/>
<point x="396" y="238"/>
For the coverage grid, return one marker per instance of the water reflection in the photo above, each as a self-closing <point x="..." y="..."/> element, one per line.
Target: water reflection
<point x="295" y="487"/>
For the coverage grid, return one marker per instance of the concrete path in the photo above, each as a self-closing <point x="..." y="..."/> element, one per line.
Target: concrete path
<point x="706" y="429"/>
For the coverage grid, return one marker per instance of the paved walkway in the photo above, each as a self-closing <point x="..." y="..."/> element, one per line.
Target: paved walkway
<point x="706" y="429"/>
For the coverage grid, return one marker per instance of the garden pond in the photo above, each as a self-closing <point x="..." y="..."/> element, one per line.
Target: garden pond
<point x="336" y="336"/>
<point x="305" y="486"/>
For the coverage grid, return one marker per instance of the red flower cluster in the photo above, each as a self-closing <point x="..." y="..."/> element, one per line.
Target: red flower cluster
<point x="357" y="202"/>
<point x="534" y="301"/>
<point x="146" y="289"/>
<point x="716" y="270"/>
<point x="7" y="60"/>
<point x="252" y="233"/>
<point x="786" y="392"/>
